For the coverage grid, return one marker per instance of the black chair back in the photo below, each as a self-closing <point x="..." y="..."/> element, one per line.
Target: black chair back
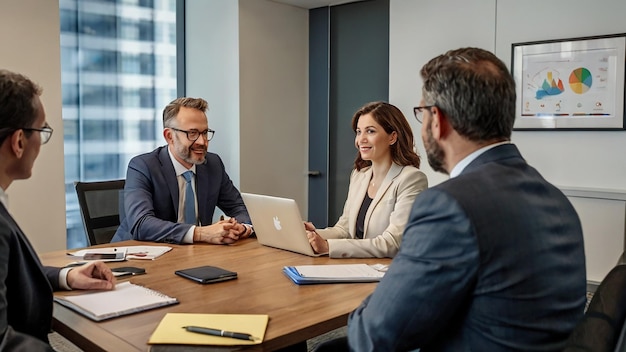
<point x="602" y="327"/>
<point x="100" y="205"/>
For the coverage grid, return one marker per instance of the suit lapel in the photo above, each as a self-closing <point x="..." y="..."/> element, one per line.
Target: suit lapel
<point x="361" y="185"/>
<point x="393" y="172"/>
<point x="171" y="182"/>
<point x="25" y="243"/>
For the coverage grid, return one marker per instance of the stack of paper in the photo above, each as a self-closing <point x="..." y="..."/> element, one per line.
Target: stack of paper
<point x="131" y="252"/>
<point x="320" y="274"/>
<point x="145" y="252"/>
<point x="106" y="254"/>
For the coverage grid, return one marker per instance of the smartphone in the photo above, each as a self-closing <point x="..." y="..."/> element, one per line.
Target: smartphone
<point x="104" y="256"/>
<point x="207" y="274"/>
<point x="128" y="270"/>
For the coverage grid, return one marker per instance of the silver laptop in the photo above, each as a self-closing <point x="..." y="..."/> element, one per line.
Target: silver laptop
<point x="277" y="223"/>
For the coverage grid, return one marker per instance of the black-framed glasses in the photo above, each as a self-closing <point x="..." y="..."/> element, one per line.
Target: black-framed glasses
<point x="45" y="132"/>
<point x="193" y="135"/>
<point x="417" y="111"/>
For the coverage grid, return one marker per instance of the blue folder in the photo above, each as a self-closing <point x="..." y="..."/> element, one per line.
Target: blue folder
<point x="298" y="279"/>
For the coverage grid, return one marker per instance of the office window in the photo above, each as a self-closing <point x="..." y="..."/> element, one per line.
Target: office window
<point x="101" y="166"/>
<point x="99" y="60"/>
<point x="118" y="61"/>
<point x="137" y="30"/>
<point x="98" y="96"/>
<point x="102" y="130"/>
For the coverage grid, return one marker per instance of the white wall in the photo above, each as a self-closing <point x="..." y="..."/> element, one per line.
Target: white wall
<point x="212" y="72"/>
<point x="273" y="46"/>
<point x="30" y="37"/>
<point x="603" y="228"/>
<point x="249" y="60"/>
<point x="422" y="30"/>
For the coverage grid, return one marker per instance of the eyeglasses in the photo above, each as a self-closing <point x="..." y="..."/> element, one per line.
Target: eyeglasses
<point x="45" y="132"/>
<point x="417" y="111"/>
<point x="193" y="135"/>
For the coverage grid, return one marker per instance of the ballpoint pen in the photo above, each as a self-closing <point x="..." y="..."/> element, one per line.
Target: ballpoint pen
<point x="217" y="332"/>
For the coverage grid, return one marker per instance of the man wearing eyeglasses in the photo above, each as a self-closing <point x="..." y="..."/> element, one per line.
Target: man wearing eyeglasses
<point x="171" y="193"/>
<point x="493" y="258"/>
<point x="25" y="285"/>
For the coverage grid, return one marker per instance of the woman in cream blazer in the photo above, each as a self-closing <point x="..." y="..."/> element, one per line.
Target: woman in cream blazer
<point x="383" y="186"/>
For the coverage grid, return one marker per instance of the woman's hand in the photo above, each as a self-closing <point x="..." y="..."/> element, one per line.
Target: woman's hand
<point x="316" y="241"/>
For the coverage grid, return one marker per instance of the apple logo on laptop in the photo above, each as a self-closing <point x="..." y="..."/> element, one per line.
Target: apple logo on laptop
<point x="277" y="223"/>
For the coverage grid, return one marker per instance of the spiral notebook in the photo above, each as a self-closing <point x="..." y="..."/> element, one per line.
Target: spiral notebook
<point x="126" y="298"/>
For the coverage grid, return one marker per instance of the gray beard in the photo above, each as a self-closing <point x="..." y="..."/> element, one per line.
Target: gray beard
<point x="434" y="152"/>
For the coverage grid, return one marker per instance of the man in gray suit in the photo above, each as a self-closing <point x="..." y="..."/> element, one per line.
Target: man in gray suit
<point x="492" y="259"/>
<point x="25" y="285"/>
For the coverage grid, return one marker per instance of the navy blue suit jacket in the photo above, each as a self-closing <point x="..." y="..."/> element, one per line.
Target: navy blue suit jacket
<point x="25" y="291"/>
<point x="491" y="260"/>
<point x="151" y="197"/>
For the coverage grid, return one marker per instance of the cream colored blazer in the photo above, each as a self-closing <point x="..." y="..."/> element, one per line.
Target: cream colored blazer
<point x="385" y="219"/>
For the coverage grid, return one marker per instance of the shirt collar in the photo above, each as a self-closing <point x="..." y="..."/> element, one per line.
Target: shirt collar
<point x="460" y="166"/>
<point x="178" y="167"/>
<point x="4" y="198"/>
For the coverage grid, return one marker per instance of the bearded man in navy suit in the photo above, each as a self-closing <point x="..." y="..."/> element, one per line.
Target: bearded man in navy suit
<point x="492" y="259"/>
<point x="155" y="194"/>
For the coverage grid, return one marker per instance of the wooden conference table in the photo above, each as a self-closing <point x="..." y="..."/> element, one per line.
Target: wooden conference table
<point x="296" y="312"/>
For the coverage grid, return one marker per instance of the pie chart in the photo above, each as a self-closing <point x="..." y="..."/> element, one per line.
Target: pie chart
<point x="580" y="80"/>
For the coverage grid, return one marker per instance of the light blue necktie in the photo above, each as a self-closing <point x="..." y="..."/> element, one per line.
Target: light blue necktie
<point x="190" y="200"/>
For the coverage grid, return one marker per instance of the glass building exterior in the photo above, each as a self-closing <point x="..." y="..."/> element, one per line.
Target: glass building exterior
<point x="118" y="61"/>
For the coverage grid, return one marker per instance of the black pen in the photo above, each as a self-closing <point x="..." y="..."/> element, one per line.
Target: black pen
<point x="216" y="332"/>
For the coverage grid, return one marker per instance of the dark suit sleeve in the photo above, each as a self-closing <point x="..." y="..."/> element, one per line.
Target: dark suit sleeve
<point x="429" y="279"/>
<point x="52" y="273"/>
<point x="16" y="342"/>
<point x="10" y="340"/>
<point x="146" y="220"/>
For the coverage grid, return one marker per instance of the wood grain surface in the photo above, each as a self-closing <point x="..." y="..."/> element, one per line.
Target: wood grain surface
<point x="296" y="312"/>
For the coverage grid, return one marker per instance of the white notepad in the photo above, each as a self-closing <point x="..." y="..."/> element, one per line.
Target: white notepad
<point x="126" y="298"/>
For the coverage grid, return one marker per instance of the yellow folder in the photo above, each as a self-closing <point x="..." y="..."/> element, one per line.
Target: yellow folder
<point x="171" y="329"/>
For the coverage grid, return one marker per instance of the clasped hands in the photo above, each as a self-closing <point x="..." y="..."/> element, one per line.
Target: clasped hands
<point x="316" y="241"/>
<point x="222" y="232"/>
<point x="98" y="276"/>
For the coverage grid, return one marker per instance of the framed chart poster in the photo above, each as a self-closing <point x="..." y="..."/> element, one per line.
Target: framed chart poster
<point x="570" y="84"/>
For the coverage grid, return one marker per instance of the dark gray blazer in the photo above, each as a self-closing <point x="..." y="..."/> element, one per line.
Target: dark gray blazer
<point x="491" y="260"/>
<point x="151" y="197"/>
<point x="25" y="291"/>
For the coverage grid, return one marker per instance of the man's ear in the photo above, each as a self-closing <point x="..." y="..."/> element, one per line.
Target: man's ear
<point x="17" y="143"/>
<point x="167" y="134"/>
<point x="435" y="122"/>
<point x="440" y="125"/>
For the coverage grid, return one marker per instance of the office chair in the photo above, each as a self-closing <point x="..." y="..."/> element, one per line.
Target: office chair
<point x="602" y="327"/>
<point x="100" y="205"/>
